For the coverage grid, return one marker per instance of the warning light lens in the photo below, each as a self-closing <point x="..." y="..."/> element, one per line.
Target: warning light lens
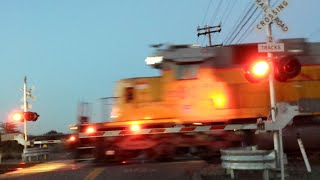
<point x="260" y="68"/>
<point x="17" y="116"/>
<point x="257" y="70"/>
<point x="90" y="130"/>
<point x="286" y="68"/>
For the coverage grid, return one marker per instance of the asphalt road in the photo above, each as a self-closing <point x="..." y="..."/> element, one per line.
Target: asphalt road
<point x="59" y="170"/>
<point x="178" y="170"/>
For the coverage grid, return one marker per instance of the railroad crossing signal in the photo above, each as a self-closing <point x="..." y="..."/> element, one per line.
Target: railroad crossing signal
<point x="22" y="116"/>
<point x="271" y="15"/>
<point x="284" y="69"/>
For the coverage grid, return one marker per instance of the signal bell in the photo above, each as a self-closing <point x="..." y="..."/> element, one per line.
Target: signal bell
<point x="30" y="116"/>
<point x="286" y="68"/>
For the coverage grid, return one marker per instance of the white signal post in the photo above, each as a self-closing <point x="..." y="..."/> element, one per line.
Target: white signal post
<point x="25" y="109"/>
<point x="271" y="15"/>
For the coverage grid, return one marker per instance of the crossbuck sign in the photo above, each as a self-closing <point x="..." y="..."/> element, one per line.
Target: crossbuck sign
<point x="271" y="15"/>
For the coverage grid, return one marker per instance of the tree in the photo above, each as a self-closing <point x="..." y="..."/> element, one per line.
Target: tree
<point x="52" y="133"/>
<point x="8" y="127"/>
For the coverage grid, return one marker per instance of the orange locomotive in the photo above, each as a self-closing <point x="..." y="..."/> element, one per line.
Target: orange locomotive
<point x="201" y="92"/>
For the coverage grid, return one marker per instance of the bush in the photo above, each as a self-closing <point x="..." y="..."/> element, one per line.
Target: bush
<point x="11" y="150"/>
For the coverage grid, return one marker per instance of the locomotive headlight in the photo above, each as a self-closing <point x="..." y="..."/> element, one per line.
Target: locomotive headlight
<point x="135" y="127"/>
<point x="154" y="60"/>
<point x="219" y="101"/>
<point x="72" y="138"/>
<point x="90" y="130"/>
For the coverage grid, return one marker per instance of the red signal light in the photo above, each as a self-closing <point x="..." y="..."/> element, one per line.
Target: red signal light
<point x="260" y="68"/>
<point x="257" y="70"/>
<point x="31" y="116"/>
<point x="286" y="68"/>
<point x="17" y="116"/>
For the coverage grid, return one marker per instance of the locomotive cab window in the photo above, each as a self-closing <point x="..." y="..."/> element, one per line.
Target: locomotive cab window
<point x="186" y="71"/>
<point x="129" y="94"/>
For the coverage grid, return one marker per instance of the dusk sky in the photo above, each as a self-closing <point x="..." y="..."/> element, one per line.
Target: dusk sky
<point x="75" y="50"/>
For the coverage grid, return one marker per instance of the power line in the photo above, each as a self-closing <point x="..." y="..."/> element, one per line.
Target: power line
<point x="243" y="25"/>
<point x="246" y="33"/>
<point x="203" y="19"/>
<point x="234" y="27"/>
<point x="212" y="21"/>
<point x="239" y="27"/>
<point x="227" y="15"/>
<point x="224" y="12"/>
<point x="206" y="13"/>
<point x="215" y="12"/>
<point x="232" y="37"/>
<point x="248" y="26"/>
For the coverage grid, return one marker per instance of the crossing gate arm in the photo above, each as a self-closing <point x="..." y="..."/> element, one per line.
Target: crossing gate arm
<point x="176" y="129"/>
<point x="286" y="111"/>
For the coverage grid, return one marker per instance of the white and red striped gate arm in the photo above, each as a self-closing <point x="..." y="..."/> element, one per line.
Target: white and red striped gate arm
<point x="177" y="129"/>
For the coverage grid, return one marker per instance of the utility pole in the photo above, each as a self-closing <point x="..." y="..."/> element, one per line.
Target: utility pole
<point x="208" y="30"/>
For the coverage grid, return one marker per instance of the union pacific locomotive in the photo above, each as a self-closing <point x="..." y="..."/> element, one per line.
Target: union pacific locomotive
<point x="201" y="100"/>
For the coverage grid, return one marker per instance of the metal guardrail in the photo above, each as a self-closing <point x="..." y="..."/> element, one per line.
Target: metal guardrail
<point x="38" y="153"/>
<point x="248" y="159"/>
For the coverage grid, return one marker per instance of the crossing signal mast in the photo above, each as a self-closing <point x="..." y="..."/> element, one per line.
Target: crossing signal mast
<point x="26" y="115"/>
<point x="281" y="70"/>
